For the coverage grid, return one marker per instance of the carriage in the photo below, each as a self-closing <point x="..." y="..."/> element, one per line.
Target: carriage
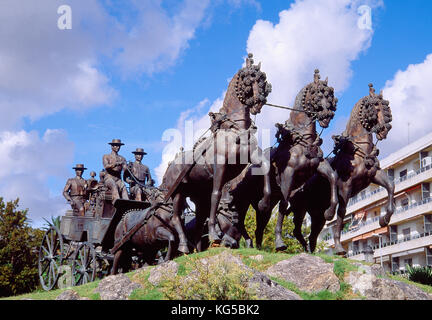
<point x="79" y="250"/>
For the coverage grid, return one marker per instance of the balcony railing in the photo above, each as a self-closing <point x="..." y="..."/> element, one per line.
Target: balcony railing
<point x="354" y="200"/>
<point x="397" y="212"/>
<point x="405" y="239"/>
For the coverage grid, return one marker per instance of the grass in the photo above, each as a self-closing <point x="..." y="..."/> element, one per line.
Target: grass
<point x="188" y="262"/>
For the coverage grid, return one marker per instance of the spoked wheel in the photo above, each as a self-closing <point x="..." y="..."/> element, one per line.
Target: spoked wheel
<point x="50" y="258"/>
<point x="84" y="264"/>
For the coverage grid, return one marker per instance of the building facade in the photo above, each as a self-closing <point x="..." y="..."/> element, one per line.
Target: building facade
<point x="408" y="238"/>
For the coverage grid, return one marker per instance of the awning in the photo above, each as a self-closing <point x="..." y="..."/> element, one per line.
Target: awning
<point x="408" y="252"/>
<point x="371" y="233"/>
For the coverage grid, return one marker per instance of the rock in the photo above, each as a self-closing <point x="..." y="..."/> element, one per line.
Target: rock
<point x="309" y="273"/>
<point x="258" y="257"/>
<point x="373" y="288"/>
<point x="165" y="270"/>
<point x="116" y="287"/>
<point x="267" y="289"/>
<point x="374" y="269"/>
<point x="68" y="295"/>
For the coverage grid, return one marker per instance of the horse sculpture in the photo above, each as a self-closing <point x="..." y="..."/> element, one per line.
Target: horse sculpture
<point x="201" y="173"/>
<point x="151" y="237"/>
<point x="357" y="166"/>
<point x="297" y="158"/>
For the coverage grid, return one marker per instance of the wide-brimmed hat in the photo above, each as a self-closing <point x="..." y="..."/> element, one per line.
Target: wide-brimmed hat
<point x="79" y="167"/>
<point x="139" y="151"/>
<point x="116" y="142"/>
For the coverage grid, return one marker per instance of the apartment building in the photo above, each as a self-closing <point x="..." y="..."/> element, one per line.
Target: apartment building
<point x="408" y="238"/>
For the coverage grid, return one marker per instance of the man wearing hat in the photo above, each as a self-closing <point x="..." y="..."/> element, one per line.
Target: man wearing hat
<point x="75" y="191"/>
<point x="114" y="164"/>
<point x="137" y="175"/>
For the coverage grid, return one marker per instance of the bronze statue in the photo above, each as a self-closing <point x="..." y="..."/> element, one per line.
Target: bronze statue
<point x="75" y="191"/>
<point x="157" y="230"/>
<point x="357" y="166"/>
<point x="114" y="164"/>
<point x="297" y="158"/>
<point x="202" y="181"/>
<point x="137" y="176"/>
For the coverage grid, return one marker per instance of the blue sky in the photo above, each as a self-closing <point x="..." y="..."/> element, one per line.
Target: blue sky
<point x="131" y="69"/>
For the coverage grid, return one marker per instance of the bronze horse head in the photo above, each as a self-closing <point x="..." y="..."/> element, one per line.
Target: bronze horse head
<point x="374" y="114"/>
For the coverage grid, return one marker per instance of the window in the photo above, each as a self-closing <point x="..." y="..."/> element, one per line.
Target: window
<point x="403" y="175"/>
<point x="390" y="174"/>
<point x="355" y="247"/>
<point x="408" y="262"/>
<point x="406" y="234"/>
<point x="395" y="264"/>
<point x="404" y="202"/>
<point x="393" y="233"/>
<point x="427" y="223"/>
<point x="425" y="190"/>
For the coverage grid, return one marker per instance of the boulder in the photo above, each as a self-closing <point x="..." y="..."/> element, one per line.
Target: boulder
<point x="266" y="289"/>
<point x="116" y="287"/>
<point x="373" y="288"/>
<point x="68" y="295"/>
<point x="309" y="273"/>
<point x="166" y="270"/>
<point x="374" y="269"/>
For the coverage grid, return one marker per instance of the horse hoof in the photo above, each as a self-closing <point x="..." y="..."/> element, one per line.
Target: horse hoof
<point x="341" y="253"/>
<point x="328" y="215"/>
<point x="383" y="222"/>
<point x="214" y="237"/>
<point x="263" y="205"/>
<point x="249" y="244"/>
<point x="183" y="248"/>
<point x="280" y="245"/>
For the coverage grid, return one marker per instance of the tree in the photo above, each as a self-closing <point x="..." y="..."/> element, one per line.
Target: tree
<point x="293" y="246"/>
<point x="18" y="250"/>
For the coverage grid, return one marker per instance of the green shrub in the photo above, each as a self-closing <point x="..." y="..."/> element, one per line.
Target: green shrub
<point x="421" y="275"/>
<point x="219" y="281"/>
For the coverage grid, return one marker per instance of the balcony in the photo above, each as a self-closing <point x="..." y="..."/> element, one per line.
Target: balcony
<point x="380" y="193"/>
<point x="401" y="214"/>
<point x="406" y="244"/>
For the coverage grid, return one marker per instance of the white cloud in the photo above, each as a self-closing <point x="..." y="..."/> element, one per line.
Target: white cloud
<point x="157" y="39"/>
<point x="410" y="96"/>
<point x="311" y="34"/>
<point x="182" y="136"/>
<point x="27" y="161"/>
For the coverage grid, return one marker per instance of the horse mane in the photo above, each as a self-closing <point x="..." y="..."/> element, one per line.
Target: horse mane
<point x="317" y="88"/>
<point x="364" y="111"/>
<point x="242" y="82"/>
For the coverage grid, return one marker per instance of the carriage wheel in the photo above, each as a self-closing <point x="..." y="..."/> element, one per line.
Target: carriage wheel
<point x="84" y="264"/>
<point x="50" y="258"/>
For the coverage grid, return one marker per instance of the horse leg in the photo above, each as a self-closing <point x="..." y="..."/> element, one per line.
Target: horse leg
<point x="164" y="234"/>
<point x="339" y="225"/>
<point x="262" y="219"/>
<point x="283" y="211"/>
<point x="264" y="170"/>
<point x="325" y="170"/>
<point x="178" y="203"/>
<point x="200" y="219"/>
<point x="243" y="231"/>
<point x="218" y="182"/>
<point x="382" y="180"/>
<point x="298" y="222"/>
<point x="117" y="257"/>
<point x="317" y="225"/>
